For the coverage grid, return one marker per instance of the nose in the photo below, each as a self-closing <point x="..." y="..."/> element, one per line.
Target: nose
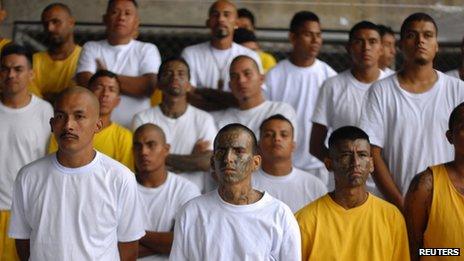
<point x="228" y="156"/>
<point x="144" y="150"/>
<point x="68" y="123"/>
<point x="11" y="73"/>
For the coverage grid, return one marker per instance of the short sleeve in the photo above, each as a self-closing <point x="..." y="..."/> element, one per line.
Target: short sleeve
<point x="87" y="60"/>
<point x="137" y="121"/>
<point x="179" y="245"/>
<point x="19" y="225"/>
<point x="131" y="216"/>
<point x="291" y="240"/>
<point x="322" y="111"/>
<point x="372" y="120"/>
<point x="210" y="130"/>
<point x="150" y="59"/>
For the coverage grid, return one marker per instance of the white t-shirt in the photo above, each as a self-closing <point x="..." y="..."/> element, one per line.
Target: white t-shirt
<point x="208" y="228"/>
<point x="411" y="127"/>
<point x="252" y="118"/>
<point x="182" y="133"/>
<point x="454" y="73"/>
<point x="297" y="189"/>
<point x="133" y="59"/>
<point x="76" y="213"/>
<point x="24" y="137"/>
<point x="339" y="104"/>
<point x="388" y="71"/>
<point x="208" y="65"/>
<point x="299" y="86"/>
<point x="162" y="203"/>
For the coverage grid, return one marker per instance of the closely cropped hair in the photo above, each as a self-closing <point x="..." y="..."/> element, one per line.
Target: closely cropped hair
<point x="243" y="35"/>
<point x="279" y="117"/>
<point x="300" y="18"/>
<point x="245" y="13"/>
<point x="383" y="29"/>
<point x="454" y="115"/>
<point x="14" y="48"/>
<point x="244" y="57"/>
<point x="111" y="2"/>
<point x="60" y="5"/>
<point x="416" y="17"/>
<point x="104" y="73"/>
<point x="238" y="126"/>
<point x="173" y="59"/>
<point x="363" y="25"/>
<point x="347" y="133"/>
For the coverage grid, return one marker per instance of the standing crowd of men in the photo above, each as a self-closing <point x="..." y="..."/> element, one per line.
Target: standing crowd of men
<point x="241" y="158"/>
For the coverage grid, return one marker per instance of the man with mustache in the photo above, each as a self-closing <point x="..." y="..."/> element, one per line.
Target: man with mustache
<point x="349" y="223"/>
<point x="277" y="174"/>
<point x="189" y="131"/>
<point x="55" y="68"/>
<point x="113" y="140"/>
<point x="340" y="98"/>
<point x="235" y="221"/>
<point x="76" y="203"/>
<point x="406" y="114"/>
<point x="163" y="192"/>
<point x="136" y="63"/>
<point x="297" y="81"/>
<point x="24" y="130"/>
<point x="210" y="61"/>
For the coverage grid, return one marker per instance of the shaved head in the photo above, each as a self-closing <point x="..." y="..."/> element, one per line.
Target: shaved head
<point x="150" y="127"/>
<point x="213" y="6"/>
<point x="79" y="90"/>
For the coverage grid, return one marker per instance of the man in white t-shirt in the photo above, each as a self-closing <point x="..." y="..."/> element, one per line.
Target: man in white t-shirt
<point x="277" y="175"/>
<point x="387" y="58"/>
<point x="297" y="81"/>
<point x="77" y="203"/>
<point x="163" y="193"/>
<point x="406" y="114"/>
<point x="24" y="130"/>
<point x="340" y="99"/>
<point x="459" y="72"/>
<point x="136" y="63"/>
<point x="246" y="82"/>
<point x="209" y="61"/>
<point x="189" y="131"/>
<point x="235" y="222"/>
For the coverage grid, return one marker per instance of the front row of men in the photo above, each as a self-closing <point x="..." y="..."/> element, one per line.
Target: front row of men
<point x="85" y="205"/>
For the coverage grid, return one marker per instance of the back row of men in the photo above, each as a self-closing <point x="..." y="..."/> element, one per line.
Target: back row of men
<point x="416" y="95"/>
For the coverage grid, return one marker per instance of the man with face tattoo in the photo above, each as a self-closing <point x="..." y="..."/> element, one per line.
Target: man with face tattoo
<point x="235" y="222"/>
<point x="349" y="223"/>
<point x="189" y="131"/>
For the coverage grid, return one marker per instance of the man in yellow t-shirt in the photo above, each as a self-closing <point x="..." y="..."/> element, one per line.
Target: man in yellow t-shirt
<point x="55" y="68"/>
<point x="113" y="140"/>
<point x="434" y="204"/>
<point x="350" y="223"/>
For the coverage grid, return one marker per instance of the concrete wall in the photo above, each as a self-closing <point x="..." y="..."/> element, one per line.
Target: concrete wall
<point x="338" y="15"/>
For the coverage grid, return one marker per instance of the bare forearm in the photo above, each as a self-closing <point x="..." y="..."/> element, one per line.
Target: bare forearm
<point x="189" y="163"/>
<point x="128" y="251"/>
<point x="145" y="251"/>
<point x="139" y="86"/>
<point x="158" y="242"/>
<point x="212" y="100"/>
<point x="82" y="78"/>
<point x="384" y="181"/>
<point x="23" y="249"/>
<point x="316" y="145"/>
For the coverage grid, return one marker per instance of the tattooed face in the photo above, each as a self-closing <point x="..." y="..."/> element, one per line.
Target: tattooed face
<point x="233" y="159"/>
<point x="351" y="163"/>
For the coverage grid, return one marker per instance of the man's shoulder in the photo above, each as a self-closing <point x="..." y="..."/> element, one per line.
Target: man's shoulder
<point x="120" y="130"/>
<point x="37" y="168"/>
<point x="280" y="106"/>
<point x="384" y="207"/>
<point x="152" y="112"/>
<point x="279" y="67"/>
<point x="199" y="113"/>
<point x="311" y="209"/>
<point x="450" y="81"/>
<point x="140" y="46"/>
<point x="92" y="45"/>
<point x="198" y="48"/>
<point x="43" y="104"/>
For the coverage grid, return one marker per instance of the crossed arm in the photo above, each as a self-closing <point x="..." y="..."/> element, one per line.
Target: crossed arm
<point x="199" y="160"/>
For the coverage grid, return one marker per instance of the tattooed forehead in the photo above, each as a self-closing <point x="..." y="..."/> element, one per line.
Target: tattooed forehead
<point x="233" y="139"/>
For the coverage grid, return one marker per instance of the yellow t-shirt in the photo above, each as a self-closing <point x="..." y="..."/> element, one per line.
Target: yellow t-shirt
<point x="373" y="231"/>
<point x="114" y="141"/>
<point x="53" y="76"/>
<point x="4" y="42"/>
<point x="445" y="227"/>
<point x="267" y="60"/>
<point x="155" y="98"/>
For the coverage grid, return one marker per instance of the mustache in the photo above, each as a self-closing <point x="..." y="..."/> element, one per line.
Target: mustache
<point x="69" y="134"/>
